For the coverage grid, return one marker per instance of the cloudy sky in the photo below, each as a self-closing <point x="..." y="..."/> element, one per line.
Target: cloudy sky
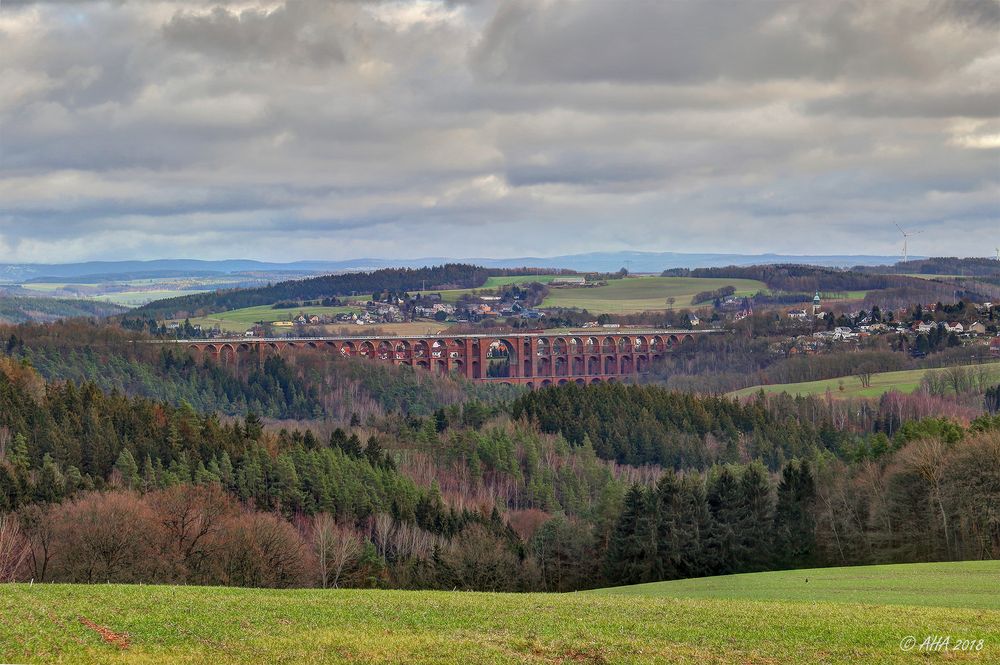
<point x="330" y="129"/>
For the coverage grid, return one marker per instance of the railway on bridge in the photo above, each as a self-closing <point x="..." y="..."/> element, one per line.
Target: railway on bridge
<point x="535" y="359"/>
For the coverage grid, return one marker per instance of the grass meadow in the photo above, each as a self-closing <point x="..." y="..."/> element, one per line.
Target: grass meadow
<point x="905" y="381"/>
<point x="238" y="320"/>
<point x="638" y="294"/>
<point x="839" y="615"/>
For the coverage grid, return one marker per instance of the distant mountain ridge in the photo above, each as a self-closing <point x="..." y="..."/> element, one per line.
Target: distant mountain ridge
<point x="595" y="261"/>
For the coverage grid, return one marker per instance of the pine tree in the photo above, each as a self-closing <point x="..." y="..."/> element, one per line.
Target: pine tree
<point x="128" y="469"/>
<point x="757" y="507"/>
<point x="440" y="420"/>
<point x="373" y="451"/>
<point x="667" y="527"/>
<point x="253" y="427"/>
<point x="50" y="484"/>
<point x="226" y="469"/>
<point x="693" y="521"/>
<point x="148" y="474"/>
<point x="794" y="530"/>
<point x="722" y="545"/>
<point x="352" y="446"/>
<point x="631" y="557"/>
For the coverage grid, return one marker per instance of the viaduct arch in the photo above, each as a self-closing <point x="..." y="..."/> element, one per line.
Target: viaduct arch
<point x="535" y="359"/>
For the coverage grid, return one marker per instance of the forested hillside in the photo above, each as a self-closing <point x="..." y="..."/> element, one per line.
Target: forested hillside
<point x="967" y="266"/>
<point x="449" y="276"/>
<point x="301" y="387"/>
<point x="102" y="484"/>
<point x="887" y="288"/>
<point x="21" y="309"/>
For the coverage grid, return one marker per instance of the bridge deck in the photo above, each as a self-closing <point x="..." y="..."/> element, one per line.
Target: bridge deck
<point x="535" y="357"/>
<point x="588" y="332"/>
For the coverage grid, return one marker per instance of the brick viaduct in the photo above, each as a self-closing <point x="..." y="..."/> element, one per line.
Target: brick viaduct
<point x="535" y="359"/>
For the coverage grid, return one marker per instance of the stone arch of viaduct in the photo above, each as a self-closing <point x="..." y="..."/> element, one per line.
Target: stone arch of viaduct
<point x="533" y="359"/>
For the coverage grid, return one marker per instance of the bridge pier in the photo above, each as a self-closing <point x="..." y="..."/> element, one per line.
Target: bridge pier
<point x="535" y="358"/>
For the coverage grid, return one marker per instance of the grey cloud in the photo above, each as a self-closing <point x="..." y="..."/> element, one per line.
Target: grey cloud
<point x="912" y="104"/>
<point x="295" y="32"/>
<point x="314" y="128"/>
<point x="686" y="41"/>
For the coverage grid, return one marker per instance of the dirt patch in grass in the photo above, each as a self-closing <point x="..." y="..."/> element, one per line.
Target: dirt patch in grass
<point x="119" y="640"/>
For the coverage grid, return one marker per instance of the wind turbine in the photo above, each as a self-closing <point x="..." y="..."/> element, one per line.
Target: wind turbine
<point x="905" y="237"/>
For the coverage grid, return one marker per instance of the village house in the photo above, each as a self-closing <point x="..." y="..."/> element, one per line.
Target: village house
<point x="977" y="328"/>
<point x="569" y="281"/>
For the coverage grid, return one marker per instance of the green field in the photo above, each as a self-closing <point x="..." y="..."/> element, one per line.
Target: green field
<point x="905" y="381"/>
<point x="137" y="298"/>
<point x="238" y="320"/>
<point x="47" y="287"/>
<point x="125" y="298"/>
<point x="968" y="584"/>
<point x="846" y="295"/>
<point x="931" y="276"/>
<point x="841" y="615"/>
<point x="494" y="282"/>
<point x="490" y="285"/>
<point x="637" y="294"/>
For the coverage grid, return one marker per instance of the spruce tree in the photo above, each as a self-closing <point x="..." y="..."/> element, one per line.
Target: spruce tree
<point x="51" y="485"/>
<point x="794" y="529"/>
<point x="667" y="527"/>
<point x="757" y="507"/>
<point x="693" y="521"/>
<point x="128" y="469"/>
<point x="631" y="557"/>
<point x="723" y="552"/>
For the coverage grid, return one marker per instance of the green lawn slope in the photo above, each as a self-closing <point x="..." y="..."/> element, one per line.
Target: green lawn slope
<point x="905" y="381"/>
<point x="843" y="615"/>
<point x="638" y="294"/>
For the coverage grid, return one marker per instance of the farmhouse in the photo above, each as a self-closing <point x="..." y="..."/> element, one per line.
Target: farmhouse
<point x="569" y="281"/>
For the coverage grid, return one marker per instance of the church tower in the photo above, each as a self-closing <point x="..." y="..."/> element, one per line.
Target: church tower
<point x="816" y="304"/>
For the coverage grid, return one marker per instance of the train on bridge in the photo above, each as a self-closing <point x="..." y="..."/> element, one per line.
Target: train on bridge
<point x="535" y="359"/>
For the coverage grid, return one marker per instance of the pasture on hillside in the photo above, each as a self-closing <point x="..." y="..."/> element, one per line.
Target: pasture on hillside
<point x="639" y="294"/>
<point x="238" y="320"/>
<point x="503" y="280"/>
<point x="839" y="615"/>
<point x="905" y="381"/>
<point x="489" y="287"/>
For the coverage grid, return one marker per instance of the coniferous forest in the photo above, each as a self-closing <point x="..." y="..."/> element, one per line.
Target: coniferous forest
<point x="123" y="462"/>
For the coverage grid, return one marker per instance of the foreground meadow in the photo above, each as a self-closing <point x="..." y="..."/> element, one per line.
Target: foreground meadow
<point x="904" y="381"/>
<point x="738" y="619"/>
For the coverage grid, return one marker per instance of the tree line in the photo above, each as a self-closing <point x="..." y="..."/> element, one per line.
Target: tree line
<point x="477" y="496"/>
<point x="451" y="275"/>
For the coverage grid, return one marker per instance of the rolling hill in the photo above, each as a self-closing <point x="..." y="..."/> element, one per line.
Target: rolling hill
<point x="905" y="381"/>
<point x="838" y="615"/>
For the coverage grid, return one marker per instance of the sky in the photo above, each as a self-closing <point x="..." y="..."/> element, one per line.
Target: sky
<point x="337" y="129"/>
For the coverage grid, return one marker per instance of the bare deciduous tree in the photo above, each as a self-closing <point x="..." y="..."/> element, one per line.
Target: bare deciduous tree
<point x="38" y="526"/>
<point x="13" y="548"/>
<point x="323" y="534"/>
<point x="926" y="458"/>
<point x="346" y="547"/>
<point x="381" y="530"/>
<point x="864" y="374"/>
<point x="192" y="518"/>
